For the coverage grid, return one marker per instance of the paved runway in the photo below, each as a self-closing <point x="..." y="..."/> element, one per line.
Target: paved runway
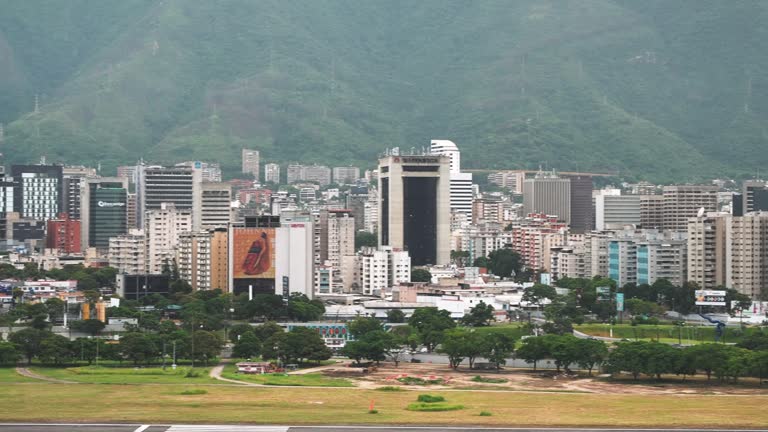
<point x="64" y="427"/>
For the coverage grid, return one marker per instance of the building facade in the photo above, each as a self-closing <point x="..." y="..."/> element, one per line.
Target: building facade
<point x="251" y="161"/>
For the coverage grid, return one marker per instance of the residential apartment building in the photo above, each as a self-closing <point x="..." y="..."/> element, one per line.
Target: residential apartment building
<point x="346" y="175"/>
<point x="215" y="206"/>
<point x="272" y="173"/>
<point x="682" y="202"/>
<point x="127" y="253"/>
<point x="251" y="161"/>
<point x="163" y="228"/>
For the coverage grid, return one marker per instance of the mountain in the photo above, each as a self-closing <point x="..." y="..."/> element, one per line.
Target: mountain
<point x="657" y="90"/>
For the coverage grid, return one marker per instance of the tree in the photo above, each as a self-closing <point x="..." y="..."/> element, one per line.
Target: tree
<point x="365" y="239"/>
<point x="28" y="341"/>
<point x="179" y="287"/>
<point x="758" y="365"/>
<point x="479" y="316"/>
<point x="430" y="324"/>
<point x="421" y="275"/>
<point x="395" y="316"/>
<point x="8" y="353"/>
<point x="303" y="343"/>
<point x="55" y="349"/>
<point x="138" y="347"/>
<point x="533" y="350"/>
<point x="55" y="308"/>
<point x="505" y="263"/>
<point x="628" y="357"/>
<point x="454" y="346"/>
<point x="361" y="326"/>
<point x="707" y="357"/>
<point x="266" y="330"/>
<point x="498" y="347"/>
<point x="237" y="330"/>
<point x="247" y="346"/>
<point x="459" y="258"/>
<point x="637" y="306"/>
<point x="659" y="359"/>
<point x="561" y="314"/>
<point x="536" y="294"/>
<point x="301" y="308"/>
<point x="207" y="345"/>
<point x="590" y="353"/>
<point x="268" y="307"/>
<point x="563" y="350"/>
<point x="481" y="262"/>
<point x="373" y="345"/>
<point x="90" y="326"/>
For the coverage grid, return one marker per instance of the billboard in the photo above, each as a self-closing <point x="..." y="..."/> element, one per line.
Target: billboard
<point x="619" y="302"/>
<point x="253" y="253"/>
<point x="758" y="309"/>
<point x="603" y="293"/>
<point x="710" y="298"/>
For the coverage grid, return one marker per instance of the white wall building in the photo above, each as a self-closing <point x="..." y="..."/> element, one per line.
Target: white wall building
<point x="163" y="228"/>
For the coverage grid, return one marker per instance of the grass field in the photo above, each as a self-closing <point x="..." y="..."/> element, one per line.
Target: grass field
<point x="126" y="375"/>
<point x="665" y="333"/>
<point x="310" y="379"/>
<point x="227" y="404"/>
<point x="9" y="375"/>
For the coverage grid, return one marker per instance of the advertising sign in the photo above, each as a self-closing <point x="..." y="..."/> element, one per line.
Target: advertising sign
<point x="603" y="293"/>
<point x="710" y="298"/>
<point x="619" y="302"/>
<point x="545" y="279"/>
<point x="757" y="308"/>
<point x="253" y="253"/>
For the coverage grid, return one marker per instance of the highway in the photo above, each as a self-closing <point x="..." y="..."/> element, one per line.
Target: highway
<point x="73" y="427"/>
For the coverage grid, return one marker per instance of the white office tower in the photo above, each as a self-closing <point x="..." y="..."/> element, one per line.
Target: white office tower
<point x="294" y="256"/>
<point x="127" y="252"/>
<point x="157" y="185"/>
<point x="461" y="183"/>
<point x="251" y="162"/>
<point x="209" y="171"/>
<point x="614" y="211"/>
<point x="272" y="173"/>
<point x="163" y="228"/>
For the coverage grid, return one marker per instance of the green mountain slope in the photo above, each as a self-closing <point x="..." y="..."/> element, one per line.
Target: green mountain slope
<point x="655" y="89"/>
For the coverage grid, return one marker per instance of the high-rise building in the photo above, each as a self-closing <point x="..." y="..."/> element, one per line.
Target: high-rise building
<point x="130" y="211"/>
<point x="215" y="206"/>
<point x="581" y="211"/>
<point x="652" y="211"/>
<point x="202" y="259"/>
<point x="346" y="175"/>
<point x="643" y="257"/>
<point x="73" y="177"/>
<point x="294" y="173"/>
<point x="683" y="202"/>
<point x="128" y="172"/>
<point x="272" y="173"/>
<point x="729" y="251"/>
<point x="336" y="229"/>
<point x="549" y="194"/>
<point x="163" y="227"/>
<point x="755" y="196"/>
<point x="251" y="162"/>
<point x="356" y="199"/>
<point x="7" y="188"/>
<point x="104" y="210"/>
<point x="461" y="183"/>
<point x="317" y="173"/>
<point x="127" y="253"/>
<point x="747" y="239"/>
<point x="209" y="171"/>
<point x="63" y="235"/>
<point x="512" y="180"/>
<point x="158" y="185"/>
<point x="414" y="209"/>
<point x="39" y="192"/>
<point x="616" y="211"/>
<point x="707" y="245"/>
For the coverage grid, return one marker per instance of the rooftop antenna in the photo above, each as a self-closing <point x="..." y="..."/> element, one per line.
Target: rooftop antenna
<point x="37" y="103"/>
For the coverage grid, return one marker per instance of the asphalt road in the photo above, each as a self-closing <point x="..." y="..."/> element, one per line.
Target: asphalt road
<point x="22" y="427"/>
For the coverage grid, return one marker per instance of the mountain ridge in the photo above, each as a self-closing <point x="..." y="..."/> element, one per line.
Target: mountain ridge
<point x="598" y="85"/>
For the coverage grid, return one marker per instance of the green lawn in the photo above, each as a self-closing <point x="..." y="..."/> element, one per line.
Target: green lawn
<point x="310" y="379"/>
<point x="241" y="404"/>
<point x="9" y="375"/>
<point x="666" y="333"/>
<point x="514" y="330"/>
<point x="126" y="375"/>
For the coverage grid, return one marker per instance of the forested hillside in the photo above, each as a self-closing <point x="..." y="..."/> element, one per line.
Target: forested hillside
<point x="654" y="89"/>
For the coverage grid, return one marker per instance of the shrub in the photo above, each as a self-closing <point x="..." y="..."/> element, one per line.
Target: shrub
<point x="194" y="392"/>
<point x="433" y="407"/>
<point x="430" y="399"/>
<point x="485" y="414"/>
<point x="192" y="373"/>
<point x="373" y="411"/>
<point x="390" y="389"/>
<point x="420" y="381"/>
<point x="481" y="379"/>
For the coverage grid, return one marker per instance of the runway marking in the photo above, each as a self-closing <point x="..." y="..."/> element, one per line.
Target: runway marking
<point x="142" y="428"/>
<point x="223" y="428"/>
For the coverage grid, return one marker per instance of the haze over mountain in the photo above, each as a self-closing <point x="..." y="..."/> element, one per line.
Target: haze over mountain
<point x="655" y="89"/>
